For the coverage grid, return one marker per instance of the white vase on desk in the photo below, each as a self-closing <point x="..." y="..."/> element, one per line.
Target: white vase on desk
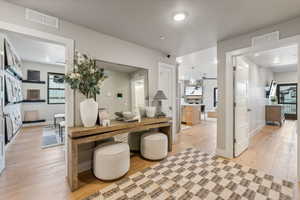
<point x="89" y="112"/>
<point x="150" y="111"/>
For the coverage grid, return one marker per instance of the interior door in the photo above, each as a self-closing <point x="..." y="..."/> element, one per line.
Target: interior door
<point x="166" y="86"/>
<point x="2" y="141"/>
<point x="167" y="83"/>
<point x="241" y="127"/>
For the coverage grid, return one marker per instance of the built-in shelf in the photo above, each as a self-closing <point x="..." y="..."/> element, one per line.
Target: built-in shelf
<point x="12" y="103"/>
<point x="34" y="101"/>
<point x="35" y="121"/>
<point x="36" y="82"/>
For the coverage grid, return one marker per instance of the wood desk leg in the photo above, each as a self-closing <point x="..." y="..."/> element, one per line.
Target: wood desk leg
<point x="72" y="164"/>
<point x="168" y="132"/>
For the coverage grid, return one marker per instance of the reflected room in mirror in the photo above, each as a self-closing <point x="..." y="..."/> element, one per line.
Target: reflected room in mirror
<point x="124" y="91"/>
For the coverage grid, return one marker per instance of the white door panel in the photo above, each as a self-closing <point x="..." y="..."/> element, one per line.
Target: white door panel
<point x="241" y="140"/>
<point x="167" y="83"/>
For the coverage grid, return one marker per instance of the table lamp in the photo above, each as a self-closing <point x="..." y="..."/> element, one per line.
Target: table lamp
<point x="159" y="96"/>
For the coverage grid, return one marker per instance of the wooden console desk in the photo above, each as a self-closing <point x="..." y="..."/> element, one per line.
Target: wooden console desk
<point x="81" y="135"/>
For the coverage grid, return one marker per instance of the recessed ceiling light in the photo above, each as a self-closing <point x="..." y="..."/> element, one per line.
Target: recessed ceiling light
<point x="215" y="61"/>
<point x="179" y="60"/>
<point x="179" y="16"/>
<point x="162" y="37"/>
<point x="256" y="54"/>
<point x="276" y="60"/>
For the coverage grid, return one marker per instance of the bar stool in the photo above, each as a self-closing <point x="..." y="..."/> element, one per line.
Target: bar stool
<point x="61" y="126"/>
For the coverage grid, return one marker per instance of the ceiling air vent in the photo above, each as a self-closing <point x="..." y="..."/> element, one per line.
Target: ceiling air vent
<point x="265" y="39"/>
<point x="41" y="18"/>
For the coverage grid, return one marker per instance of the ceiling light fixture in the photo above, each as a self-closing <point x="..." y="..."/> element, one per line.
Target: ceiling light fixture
<point x="179" y="16"/>
<point x="47" y="59"/>
<point x="256" y="54"/>
<point x="179" y="60"/>
<point x="276" y="60"/>
<point x="215" y="61"/>
<point x="162" y="37"/>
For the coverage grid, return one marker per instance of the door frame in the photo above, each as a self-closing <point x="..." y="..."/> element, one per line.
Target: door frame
<point x="172" y="68"/>
<point x="69" y="52"/>
<point x="229" y="135"/>
<point x="2" y="123"/>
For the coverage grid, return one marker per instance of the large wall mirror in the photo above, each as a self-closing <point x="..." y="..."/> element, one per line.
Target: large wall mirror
<point x="126" y="88"/>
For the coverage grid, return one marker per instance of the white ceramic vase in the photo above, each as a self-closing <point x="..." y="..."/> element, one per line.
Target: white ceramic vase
<point x="150" y="111"/>
<point x="89" y="112"/>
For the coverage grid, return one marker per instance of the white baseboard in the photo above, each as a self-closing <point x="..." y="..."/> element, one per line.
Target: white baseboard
<point x="223" y="153"/>
<point x="255" y="131"/>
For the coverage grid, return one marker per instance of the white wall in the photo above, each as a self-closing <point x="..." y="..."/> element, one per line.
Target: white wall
<point x="46" y="111"/>
<point x="100" y="46"/>
<point x="259" y="77"/>
<point x="203" y="61"/>
<point x="225" y="78"/>
<point x="286" y="77"/>
<point x="208" y="93"/>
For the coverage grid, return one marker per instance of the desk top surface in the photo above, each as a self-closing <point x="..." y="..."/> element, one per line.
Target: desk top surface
<point x="74" y="132"/>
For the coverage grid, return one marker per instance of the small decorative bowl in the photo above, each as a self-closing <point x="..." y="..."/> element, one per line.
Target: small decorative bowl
<point x="128" y="115"/>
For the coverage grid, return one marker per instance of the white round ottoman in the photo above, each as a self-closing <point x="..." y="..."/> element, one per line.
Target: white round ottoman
<point x="154" y="146"/>
<point x="111" y="161"/>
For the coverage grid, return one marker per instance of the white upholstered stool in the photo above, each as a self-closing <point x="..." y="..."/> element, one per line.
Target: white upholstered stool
<point x="111" y="161"/>
<point x="154" y="146"/>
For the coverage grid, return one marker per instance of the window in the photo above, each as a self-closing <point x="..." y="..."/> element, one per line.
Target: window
<point x="56" y="88"/>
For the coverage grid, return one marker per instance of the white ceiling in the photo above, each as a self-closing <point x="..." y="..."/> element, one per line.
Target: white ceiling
<point x="282" y="59"/>
<point x="144" y="21"/>
<point x="30" y="49"/>
<point x="198" y="64"/>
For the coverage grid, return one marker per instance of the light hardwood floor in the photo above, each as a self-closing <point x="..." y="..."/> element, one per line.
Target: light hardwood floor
<point x="35" y="173"/>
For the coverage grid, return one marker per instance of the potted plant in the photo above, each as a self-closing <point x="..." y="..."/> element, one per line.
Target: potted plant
<point x="87" y="78"/>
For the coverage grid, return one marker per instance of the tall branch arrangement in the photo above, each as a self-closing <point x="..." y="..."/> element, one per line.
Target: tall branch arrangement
<point x="86" y="77"/>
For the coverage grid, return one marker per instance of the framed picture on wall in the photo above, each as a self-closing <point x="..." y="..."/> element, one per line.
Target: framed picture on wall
<point x="33" y="94"/>
<point x="33" y="75"/>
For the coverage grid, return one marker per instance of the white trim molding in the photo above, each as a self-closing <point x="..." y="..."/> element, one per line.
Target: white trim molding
<point x="70" y="47"/>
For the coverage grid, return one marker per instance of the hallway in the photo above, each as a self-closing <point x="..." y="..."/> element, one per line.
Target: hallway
<point x="35" y="173"/>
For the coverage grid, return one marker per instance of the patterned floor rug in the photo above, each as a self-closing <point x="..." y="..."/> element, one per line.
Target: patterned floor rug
<point x="192" y="174"/>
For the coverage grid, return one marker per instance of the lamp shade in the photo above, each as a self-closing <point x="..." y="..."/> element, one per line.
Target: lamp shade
<point x="160" y="95"/>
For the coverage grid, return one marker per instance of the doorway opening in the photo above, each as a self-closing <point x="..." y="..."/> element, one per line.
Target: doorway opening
<point x="265" y="110"/>
<point x="21" y="147"/>
<point x="198" y="99"/>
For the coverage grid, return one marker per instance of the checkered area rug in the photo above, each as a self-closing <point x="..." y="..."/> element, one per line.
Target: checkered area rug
<point x="192" y="174"/>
